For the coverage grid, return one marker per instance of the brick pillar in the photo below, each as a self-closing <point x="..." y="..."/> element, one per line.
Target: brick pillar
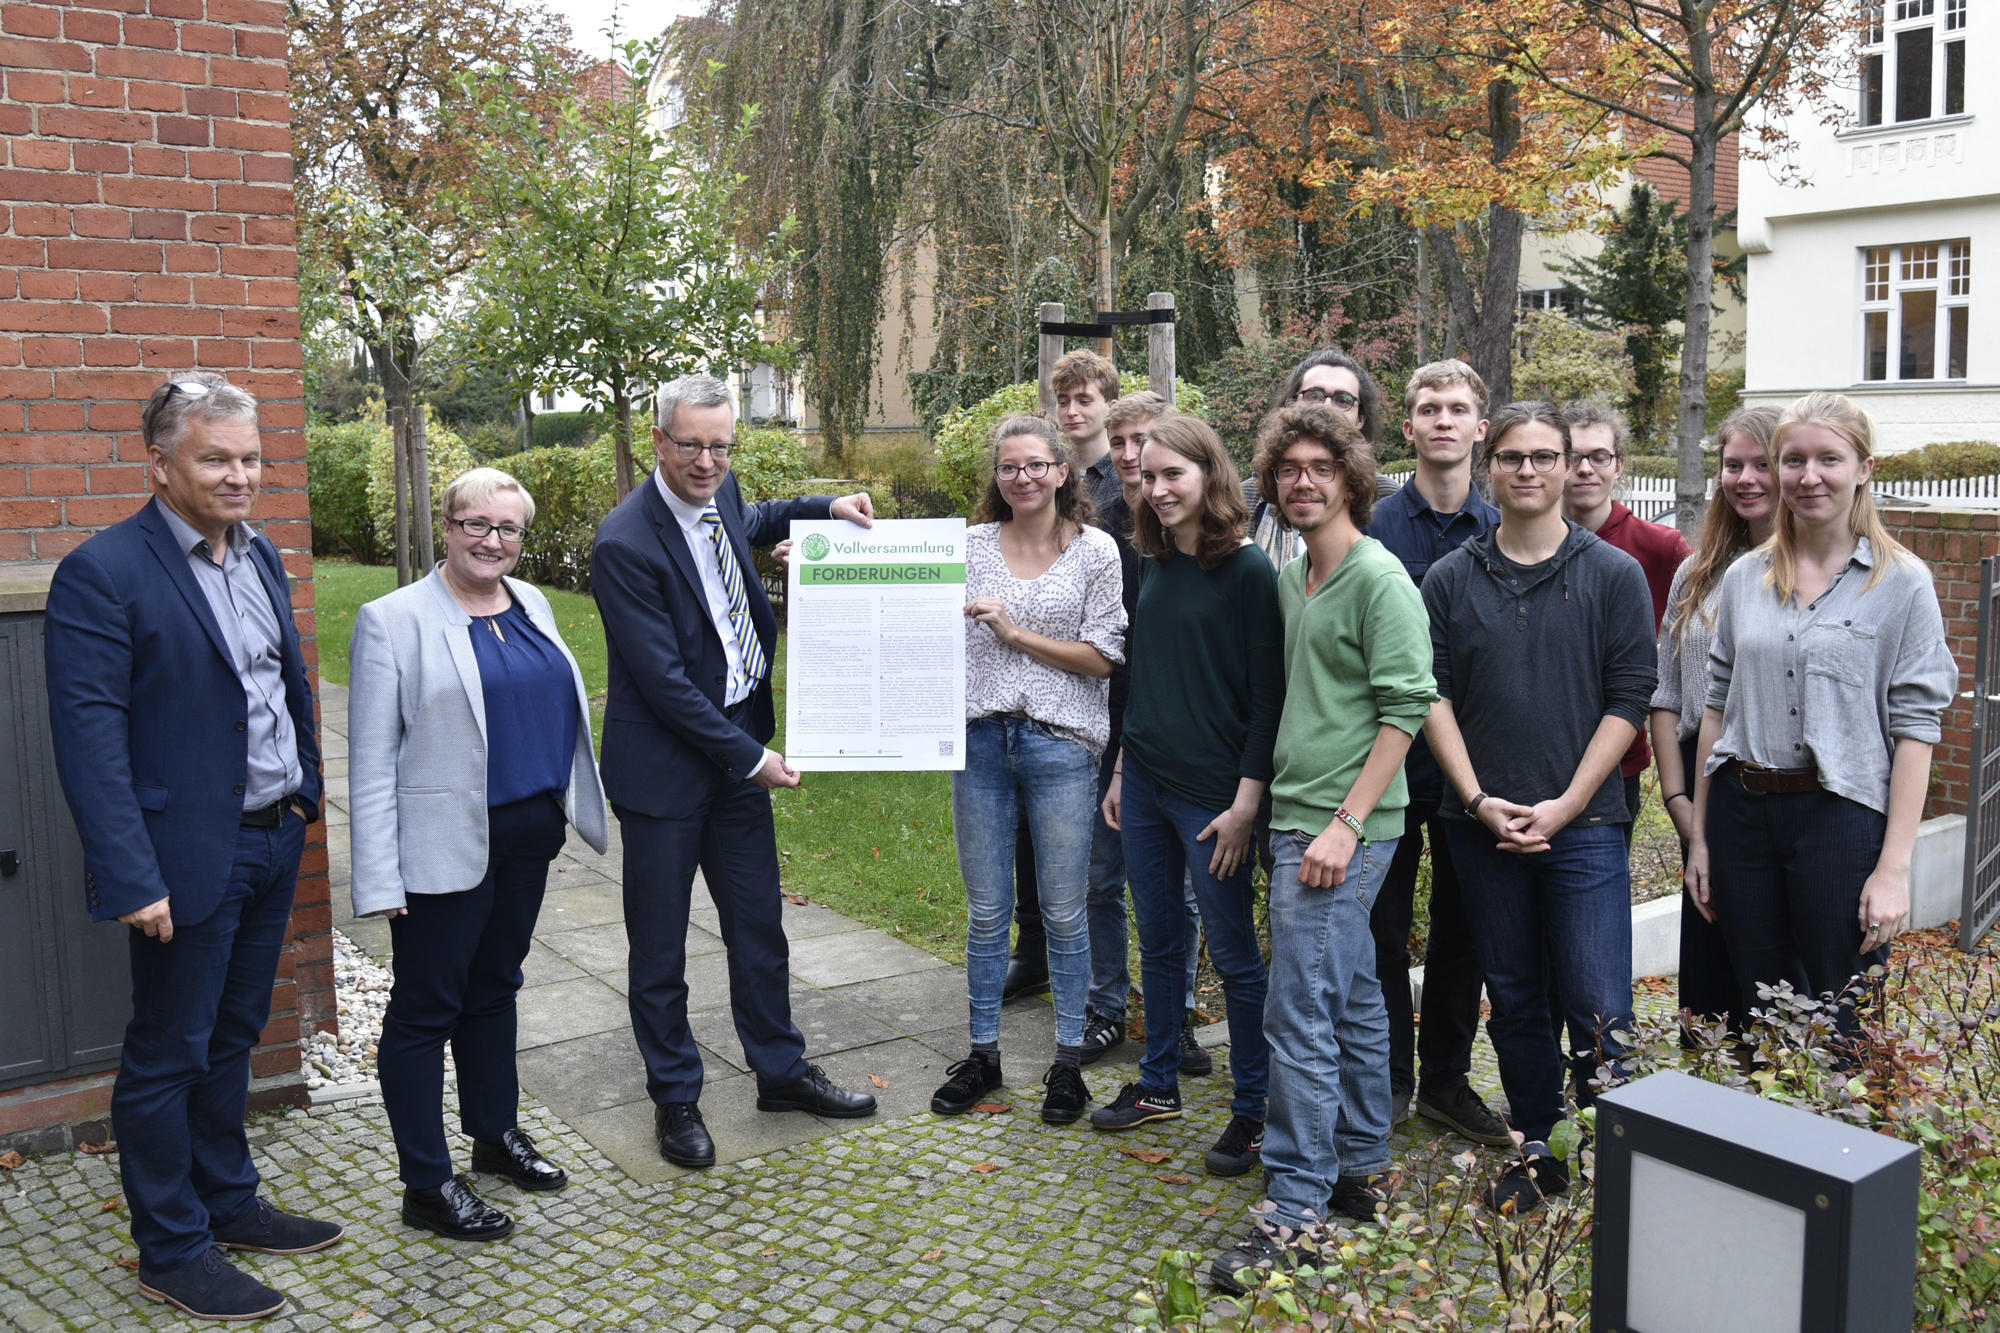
<point x="146" y="228"/>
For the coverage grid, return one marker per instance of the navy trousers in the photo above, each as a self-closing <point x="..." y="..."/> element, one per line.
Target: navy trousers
<point x="1452" y="979"/>
<point x="726" y="832"/>
<point x="199" y="1003"/>
<point x="458" y="969"/>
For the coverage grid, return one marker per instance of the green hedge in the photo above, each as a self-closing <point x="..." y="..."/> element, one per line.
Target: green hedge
<point x="1666" y="465"/>
<point x="574" y="489"/>
<point x="448" y="459"/>
<point x="964" y="439"/>
<point x="1941" y="462"/>
<point x="559" y="428"/>
<point x="337" y="487"/>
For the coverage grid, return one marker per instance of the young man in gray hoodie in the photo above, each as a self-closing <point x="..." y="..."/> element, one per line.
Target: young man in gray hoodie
<point x="1545" y="666"/>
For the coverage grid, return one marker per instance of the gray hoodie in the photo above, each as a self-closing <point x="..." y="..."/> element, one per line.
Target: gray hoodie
<point x="1533" y="658"/>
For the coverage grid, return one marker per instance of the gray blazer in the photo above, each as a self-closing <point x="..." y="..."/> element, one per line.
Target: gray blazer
<point x="416" y="718"/>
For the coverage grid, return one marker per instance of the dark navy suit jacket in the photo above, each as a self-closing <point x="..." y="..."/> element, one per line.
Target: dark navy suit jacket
<point x="663" y="720"/>
<point x="149" y="718"/>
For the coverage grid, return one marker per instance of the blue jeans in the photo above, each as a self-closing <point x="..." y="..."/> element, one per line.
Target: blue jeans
<point x="1561" y="917"/>
<point x="1160" y="854"/>
<point x="1010" y="763"/>
<point x="1110" y="966"/>
<point x="1329" y="1032"/>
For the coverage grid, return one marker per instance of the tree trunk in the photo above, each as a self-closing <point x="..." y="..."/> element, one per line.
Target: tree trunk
<point x="1493" y="336"/>
<point x="1107" y="273"/>
<point x="1691" y="478"/>
<point x="1423" y="299"/>
<point x="399" y="448"/>
<point x="423" y="542"/>
<point x="621" y="412"/>
<point x="527" y="421"/>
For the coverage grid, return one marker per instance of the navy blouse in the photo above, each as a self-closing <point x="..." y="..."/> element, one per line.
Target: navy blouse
<point x="530" y="708"/>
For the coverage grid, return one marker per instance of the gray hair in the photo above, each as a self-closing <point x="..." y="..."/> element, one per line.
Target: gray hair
<point x="691" y="391"/>
<point x="199" y="396"/>
<point x="1590" y="412"/>
<point x="479" y="486"/>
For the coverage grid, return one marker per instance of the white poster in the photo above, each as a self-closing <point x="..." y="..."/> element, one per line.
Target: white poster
<point x="875" y="645"/>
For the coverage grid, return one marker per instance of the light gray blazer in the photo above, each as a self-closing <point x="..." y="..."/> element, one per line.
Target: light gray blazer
<point x="416" y="718"/>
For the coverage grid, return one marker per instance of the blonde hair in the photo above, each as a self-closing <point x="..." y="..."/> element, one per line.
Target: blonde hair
<point x="1724" y="532"/>
<point x="479" y="486"/>
<point x="1441" y="375"/>
<point x="1837" y="413"/>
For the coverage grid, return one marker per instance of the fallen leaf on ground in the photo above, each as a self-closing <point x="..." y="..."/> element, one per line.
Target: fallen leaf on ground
<point x="360" y="1312"/>
<point x="111" y="1205"/>
<point x="796" y="899"/>
<point x="1209" y="1211"/>
<point x="129" y="1263"/>
<point x="1174" y="1180"/>
<point x="878" y="853"/>
<point x="1150" y="1156"/>
<point x="932" y="1254"/>
<point x="766" y="1254"/>
<point x="96" y="1149"/>
<point x="993" y="1108"/>
<point x="878" y="1080"/>
<point x="983" y="1168"/>
<point x="10" y="1160"/>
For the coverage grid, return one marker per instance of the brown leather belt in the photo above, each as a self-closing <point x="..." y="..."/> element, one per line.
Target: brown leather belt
<point x="1761" y="781"/>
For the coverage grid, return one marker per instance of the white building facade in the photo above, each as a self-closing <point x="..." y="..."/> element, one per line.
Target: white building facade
<point x="1864" y="271"/>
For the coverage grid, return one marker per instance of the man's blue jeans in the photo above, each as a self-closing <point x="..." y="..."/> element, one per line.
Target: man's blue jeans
<point x="1110" y="944"/>
<point x="1328" y="1030"/>
<point x="1566" y="910"/>
<point x="1012" y="763"/>
<point x="1160" y="854"/>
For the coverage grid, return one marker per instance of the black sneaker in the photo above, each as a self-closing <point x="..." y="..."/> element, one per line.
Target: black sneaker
<point x="265" y="1230"/>
<point x="1138" y="1105"/>
<point x="1360" y="1198"/>
<point x="1255" y="1256"/>
<point x="969" y="1083"/>
<point x="1067" y="1095"/>
<point x="211" y="1287"/>
<point x="1102" y="1035"/>
<point x="1240" y="1148"/>
<point x="1461" y="1109"/>
<point x="1194" y="1060"/>
<point x="1527" y="1181"/>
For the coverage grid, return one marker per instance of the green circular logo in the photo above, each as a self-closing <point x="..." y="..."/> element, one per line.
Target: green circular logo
<point x="816" y="546"/>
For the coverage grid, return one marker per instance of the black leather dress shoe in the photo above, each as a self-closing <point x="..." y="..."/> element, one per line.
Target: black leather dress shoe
<point x="516" y="1158"/>
<point x="454" y="1212"/>
<point x="813" y="1091"/>
<point x="683" y="1137"/>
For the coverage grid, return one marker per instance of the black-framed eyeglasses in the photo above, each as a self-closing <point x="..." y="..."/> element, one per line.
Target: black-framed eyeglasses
<point x="1319" y="472"/>
<point x="689" y="450"/>
<point x="1038" y="468"/>
<point x="1340" y="398"/>
<point x="1542" y="460"/>
<point x="479" y="530"/>
<point x="1599" y="459"/>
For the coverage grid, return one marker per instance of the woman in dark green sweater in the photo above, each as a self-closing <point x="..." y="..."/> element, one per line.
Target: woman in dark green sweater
<point x="1200" y="721"/>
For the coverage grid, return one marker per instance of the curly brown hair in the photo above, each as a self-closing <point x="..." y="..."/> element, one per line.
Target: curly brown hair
<point x="1223" y="514"/>
<point x="1073" y="504"/>
<point x="1316" y="423"/>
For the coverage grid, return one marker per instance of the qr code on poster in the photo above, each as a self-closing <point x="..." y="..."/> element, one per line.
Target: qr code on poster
<point x="945" y="749"/>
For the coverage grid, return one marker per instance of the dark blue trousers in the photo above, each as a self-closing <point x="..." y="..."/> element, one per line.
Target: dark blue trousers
<point x="726" y="832"/>
<point x="458" y="969"/>
<point x="199" y="1003"/>
<point x="1707" y="977"/>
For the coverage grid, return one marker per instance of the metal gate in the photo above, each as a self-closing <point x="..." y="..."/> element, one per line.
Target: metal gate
<point x="1981" y="903"/>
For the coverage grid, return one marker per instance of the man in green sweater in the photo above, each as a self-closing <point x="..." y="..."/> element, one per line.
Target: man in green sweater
<point x="1358" y="687"/>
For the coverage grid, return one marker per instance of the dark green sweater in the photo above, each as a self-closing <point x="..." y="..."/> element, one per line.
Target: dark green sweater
<point x="1208" y="674"/>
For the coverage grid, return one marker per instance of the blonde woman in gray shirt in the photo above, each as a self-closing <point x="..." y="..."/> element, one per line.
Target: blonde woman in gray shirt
<point x="1829" y="679"/>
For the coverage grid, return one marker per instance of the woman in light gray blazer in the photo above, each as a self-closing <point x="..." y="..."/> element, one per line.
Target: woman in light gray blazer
<point x="469" y="739"/>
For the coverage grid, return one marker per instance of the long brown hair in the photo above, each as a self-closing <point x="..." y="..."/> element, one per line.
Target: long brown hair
<point x="1073" y="506"/>
<point x="1725" y="534"/>
<point x="1223" y="515"/>
<point x="1837" y="413"/>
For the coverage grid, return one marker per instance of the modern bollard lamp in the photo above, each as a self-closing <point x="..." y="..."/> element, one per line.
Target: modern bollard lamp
<point x="1721" y="1212"/>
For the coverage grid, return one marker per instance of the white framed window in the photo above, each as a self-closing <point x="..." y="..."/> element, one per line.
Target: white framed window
<point x="1912" y="61"/>
<point x="1565" y="300"/>
<point x="1916" y="309"/>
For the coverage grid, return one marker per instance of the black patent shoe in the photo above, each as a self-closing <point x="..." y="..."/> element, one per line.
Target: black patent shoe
<point x="682" y="1136"/>
<point x="211" y="1287"/>
<point x="454" y="1212"/>
<point x="815" y="1093"/>
<point x="516" y="1158"/>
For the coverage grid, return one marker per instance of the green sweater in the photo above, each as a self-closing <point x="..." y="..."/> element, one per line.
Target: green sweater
<point x="1207" y="682"/>
<point x="1357" y="655"/>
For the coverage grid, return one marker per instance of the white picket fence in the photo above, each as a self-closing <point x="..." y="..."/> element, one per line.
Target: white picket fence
<point x="1653" y="497"/>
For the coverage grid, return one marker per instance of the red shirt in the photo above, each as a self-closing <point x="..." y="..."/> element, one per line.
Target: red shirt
<point x="1659" y="550"/>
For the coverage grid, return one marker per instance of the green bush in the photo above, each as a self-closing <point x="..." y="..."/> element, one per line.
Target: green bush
<point x="964" y="439"/>
<point x="1725" y="395"/>
<point x="1666" y="465"/>
<point x="448" y="459"/>
<point x="558" y="428"/>
<point x="770" y="462"/>
<point x="939" y="392"/>
<point x="1941" y="462"/>
<point x="337" y="489"/>
<point x="574" y="489"/>
<point x="1565" y="361"/>
<point x="491" y="441"/>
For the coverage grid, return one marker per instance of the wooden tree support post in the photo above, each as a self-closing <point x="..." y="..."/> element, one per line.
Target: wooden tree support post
<point x="1049" y="351"/>
<point x="1160" y="347"/>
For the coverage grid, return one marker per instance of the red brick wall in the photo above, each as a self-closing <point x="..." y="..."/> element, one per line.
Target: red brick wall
<point x="1952" y="543"/>
<point x="146" y="228"/>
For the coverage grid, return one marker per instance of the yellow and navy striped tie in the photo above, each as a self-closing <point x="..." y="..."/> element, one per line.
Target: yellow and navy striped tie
<point x="747" y="643"/>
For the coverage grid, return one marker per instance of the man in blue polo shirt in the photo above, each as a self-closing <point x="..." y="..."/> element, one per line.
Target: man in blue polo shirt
<point x="1434" y="513"/>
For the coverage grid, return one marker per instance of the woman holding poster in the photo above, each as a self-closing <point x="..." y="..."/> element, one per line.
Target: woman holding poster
<point x="1045" y="621"/>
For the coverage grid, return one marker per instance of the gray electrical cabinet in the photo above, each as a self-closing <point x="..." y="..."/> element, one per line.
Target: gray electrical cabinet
<point x="65" y="984"/>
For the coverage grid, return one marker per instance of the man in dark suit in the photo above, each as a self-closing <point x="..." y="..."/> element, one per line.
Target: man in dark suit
<point x="686" y="766"/>
<point x="183" y="729"/>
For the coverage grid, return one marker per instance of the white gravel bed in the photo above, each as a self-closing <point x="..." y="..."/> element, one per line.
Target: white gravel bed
<point x="361" y="987"/>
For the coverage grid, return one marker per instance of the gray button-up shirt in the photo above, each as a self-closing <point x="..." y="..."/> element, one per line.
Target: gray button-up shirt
<point x="1833" y="684"/>
<point x="249" y="622"/>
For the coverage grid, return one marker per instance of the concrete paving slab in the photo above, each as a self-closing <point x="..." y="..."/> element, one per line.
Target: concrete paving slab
<point x="589" y="905"/>
<point x="593" y="948"/>
<point x="827" y="1024"/>
<point x="861" y="955"/>
<point x="912" y="1002"/>
<point x="544" y="965"/>
<point x="728" y="1107"/>
<point x="810" y="920"/>
<point x="586" y="1074"/>
<point x="565" y="1009"/>
<point x="566" y="872"/>
<point x="912" y="1070"/>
